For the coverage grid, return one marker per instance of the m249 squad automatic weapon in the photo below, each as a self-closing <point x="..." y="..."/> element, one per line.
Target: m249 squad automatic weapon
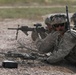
<point x="24" y="56"/>
<point x="25" y="29"/>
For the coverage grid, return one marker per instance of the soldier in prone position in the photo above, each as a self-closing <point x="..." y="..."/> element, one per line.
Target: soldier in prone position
<point x="49" y="29"/>
<point x="61" y="44"/>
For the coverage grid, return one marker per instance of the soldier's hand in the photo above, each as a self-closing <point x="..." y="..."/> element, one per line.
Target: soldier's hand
<point x="42" y="34"/>
<point x="34" y="35"/>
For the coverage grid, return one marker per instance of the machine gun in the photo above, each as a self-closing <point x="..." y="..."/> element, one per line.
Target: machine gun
<point x="25" y="29"/>
<point x="18" y="55"/>
<point x="23" y="56"/>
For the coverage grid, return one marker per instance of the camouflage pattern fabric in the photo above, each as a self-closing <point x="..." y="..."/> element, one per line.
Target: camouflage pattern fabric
<point x="35" y="35"/>
<point x="60" y="49"/>
<point x="43" y="35"/>
<point x="73" y="19"/>
<point x="58" y="19"/>
<point x="72" y="55"/>
<point x="48" y="21"/>
<point x="46" y="45"/>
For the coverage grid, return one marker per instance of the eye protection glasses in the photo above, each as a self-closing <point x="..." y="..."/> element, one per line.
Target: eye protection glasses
<point x="57" y="25"/>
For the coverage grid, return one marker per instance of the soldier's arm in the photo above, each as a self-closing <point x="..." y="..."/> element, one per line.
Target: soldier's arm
<point x="46" y="45"/>
<point x="64" y="49"/>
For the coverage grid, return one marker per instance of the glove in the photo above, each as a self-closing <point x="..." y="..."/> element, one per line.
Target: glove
<point x="34" y="35"/>
<point x="43" y="35"/>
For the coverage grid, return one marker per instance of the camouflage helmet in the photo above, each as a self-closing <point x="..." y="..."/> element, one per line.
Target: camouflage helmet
<point x="73" y="18"/>
<point x="48" y="21"/>
<point x="58" y="19"/>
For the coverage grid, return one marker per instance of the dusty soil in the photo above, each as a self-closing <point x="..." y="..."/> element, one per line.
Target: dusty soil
<point x="9" y="43"/>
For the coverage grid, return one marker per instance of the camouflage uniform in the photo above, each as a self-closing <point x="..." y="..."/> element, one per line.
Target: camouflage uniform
<point x="73" y="19"/>
<point x="71" y="57"/>
<point x="61" y="47"/>
<point x="65" y="49"/>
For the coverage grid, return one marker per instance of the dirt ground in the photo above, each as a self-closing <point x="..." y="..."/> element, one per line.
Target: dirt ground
<point x="9" y="43"/>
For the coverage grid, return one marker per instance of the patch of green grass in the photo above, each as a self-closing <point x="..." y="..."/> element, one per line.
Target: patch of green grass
<point x="21" y="2"/>
<point x="32" y="13"/>
<point x="62" y="2"/>
<point x="38" y="2"/>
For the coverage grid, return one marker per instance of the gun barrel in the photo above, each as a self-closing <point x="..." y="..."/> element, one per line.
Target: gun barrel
<point x="67" y="17"/>
<point x="25" y="28"/>
<point x="14" y="28"/>
<point x="2" y="53"/>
